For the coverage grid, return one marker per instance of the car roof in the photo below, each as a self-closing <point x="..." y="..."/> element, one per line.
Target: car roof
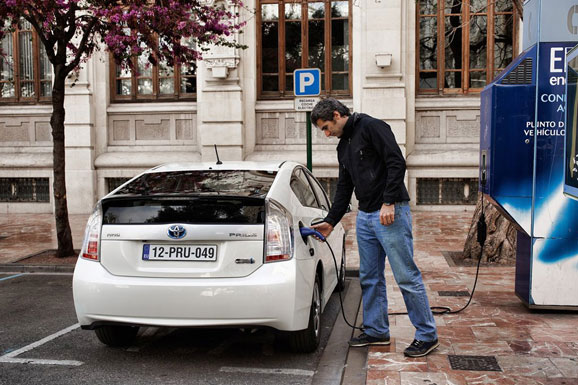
<point x="239" y="165"/>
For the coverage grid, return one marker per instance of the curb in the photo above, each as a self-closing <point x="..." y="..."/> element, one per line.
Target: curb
<point x="335" y="358"/>
<point x="20" y="268"/>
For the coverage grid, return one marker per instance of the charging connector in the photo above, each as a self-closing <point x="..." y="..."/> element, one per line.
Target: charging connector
<point x="307" y="231"/>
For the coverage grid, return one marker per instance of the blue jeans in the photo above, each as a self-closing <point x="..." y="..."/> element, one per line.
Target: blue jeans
<point x="375" y="242"/>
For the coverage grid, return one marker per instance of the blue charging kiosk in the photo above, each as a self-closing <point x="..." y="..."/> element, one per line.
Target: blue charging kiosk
<point x="523" y="126"/>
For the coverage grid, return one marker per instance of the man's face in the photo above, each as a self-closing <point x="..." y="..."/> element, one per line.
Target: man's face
<point x="332" y="127"/>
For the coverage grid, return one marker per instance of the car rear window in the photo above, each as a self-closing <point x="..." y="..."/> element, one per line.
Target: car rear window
<point x="194" y="210"/>
<point x="201" y="182"/>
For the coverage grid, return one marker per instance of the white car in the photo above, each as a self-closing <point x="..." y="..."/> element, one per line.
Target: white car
<point x="185" y="245"/>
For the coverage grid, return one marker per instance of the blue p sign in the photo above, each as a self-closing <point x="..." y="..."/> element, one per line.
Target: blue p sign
<point x="307" y="82"/>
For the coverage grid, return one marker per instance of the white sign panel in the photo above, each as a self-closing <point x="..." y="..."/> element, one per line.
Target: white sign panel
<point x="305" y="104"/>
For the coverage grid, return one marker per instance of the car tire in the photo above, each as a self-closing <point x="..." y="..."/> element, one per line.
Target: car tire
<point x="307" y="340"/>
<point x="116" y="335"/>
<point x="341" y="280"/>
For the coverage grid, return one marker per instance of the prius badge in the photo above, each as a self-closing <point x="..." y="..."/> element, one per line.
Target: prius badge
<point x="176" y="232"/>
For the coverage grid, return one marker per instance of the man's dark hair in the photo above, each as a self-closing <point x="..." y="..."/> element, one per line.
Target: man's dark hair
<point x="324" y="110"/>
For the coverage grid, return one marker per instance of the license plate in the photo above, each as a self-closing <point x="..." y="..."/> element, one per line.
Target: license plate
<point x="199" y="253"/>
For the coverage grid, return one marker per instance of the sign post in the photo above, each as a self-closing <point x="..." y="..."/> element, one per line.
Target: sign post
<point x="307" y="86"/>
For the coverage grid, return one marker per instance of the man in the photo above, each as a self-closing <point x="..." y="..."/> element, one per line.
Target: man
<point x="371" y="162"/>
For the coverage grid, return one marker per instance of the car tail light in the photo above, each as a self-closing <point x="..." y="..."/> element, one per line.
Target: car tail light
<point x="91" y="244"/>
<point x="279" y="233"/>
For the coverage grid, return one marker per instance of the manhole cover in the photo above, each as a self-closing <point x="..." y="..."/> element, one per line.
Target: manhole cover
<point x="453" y="293"/>
<point x="477" y="363"/>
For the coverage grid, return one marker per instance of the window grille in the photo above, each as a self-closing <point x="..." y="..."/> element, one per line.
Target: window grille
<point x="113" y="183"/>
<point x="330" y="186"/>
<point x="447" y="191"/>
<point x="24" y="190"/>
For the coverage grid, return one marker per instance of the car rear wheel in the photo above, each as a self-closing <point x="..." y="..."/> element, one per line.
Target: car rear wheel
<point x="341" y="279"/>
<point x="307" y="340"/>
<point x="116" y="335"/>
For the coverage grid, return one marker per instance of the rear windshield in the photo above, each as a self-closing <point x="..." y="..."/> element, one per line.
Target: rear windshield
<point x="194" y="210"/>
<point x="201" y="182"/>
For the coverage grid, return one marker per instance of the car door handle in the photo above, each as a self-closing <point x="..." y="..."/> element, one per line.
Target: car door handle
<point x="316" y="221"/>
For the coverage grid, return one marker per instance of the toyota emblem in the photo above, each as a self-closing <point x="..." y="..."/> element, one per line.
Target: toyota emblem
<point x="176" y="232"/>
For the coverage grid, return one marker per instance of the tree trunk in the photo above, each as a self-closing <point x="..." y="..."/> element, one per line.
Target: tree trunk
<point x="500" y="245"/>
<point x="63" y="233"/>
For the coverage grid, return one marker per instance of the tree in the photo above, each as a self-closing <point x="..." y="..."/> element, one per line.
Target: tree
<point x="500" y="245"/>
<point x="71" y="30"/>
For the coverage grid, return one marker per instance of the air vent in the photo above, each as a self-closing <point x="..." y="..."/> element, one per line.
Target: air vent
<point x="447" y="191"/>
<point x="453" y="293"/>
<point x="476" y="363"/>
<point x="24" y="190"/>
<point x="522" y="74"/>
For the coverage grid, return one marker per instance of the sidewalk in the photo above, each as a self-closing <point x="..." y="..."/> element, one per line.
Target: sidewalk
<point x="529" y="347"/>
<point x="23" y="235"/>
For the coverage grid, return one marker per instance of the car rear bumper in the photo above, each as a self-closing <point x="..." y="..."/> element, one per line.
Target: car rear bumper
<point x="267" y="297"/>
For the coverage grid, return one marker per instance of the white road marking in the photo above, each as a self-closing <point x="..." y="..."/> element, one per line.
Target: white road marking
<point x="40" y="361"/>
<point x="292" y="372"/>
<point x="10" y="357"/>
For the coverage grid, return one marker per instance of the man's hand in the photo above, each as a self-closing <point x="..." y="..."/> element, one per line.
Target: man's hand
<point x="324" y="228"/>
<point x="387" y="214"/>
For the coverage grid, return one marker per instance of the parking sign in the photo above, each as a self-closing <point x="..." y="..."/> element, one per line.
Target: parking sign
<point x="307" y="82"/>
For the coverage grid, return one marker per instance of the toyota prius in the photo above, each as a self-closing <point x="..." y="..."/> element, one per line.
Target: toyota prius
<point x="209" y="245"/>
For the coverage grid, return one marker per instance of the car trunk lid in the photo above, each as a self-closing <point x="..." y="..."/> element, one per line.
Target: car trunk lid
<point x="182" y="237"/>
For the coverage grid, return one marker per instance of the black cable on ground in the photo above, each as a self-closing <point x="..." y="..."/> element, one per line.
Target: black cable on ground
<point x="482" y="233"/>
<point x="481" y="237"/>
<point x="340" y="296"/>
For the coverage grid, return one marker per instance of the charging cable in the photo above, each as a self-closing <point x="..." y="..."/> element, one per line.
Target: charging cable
<point x="481" y="237"/>
<point x="308" y="231"/>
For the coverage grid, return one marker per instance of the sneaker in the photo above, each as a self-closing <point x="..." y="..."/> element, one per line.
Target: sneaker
<point x="364" y="340"/>
<point x="420" y="348"/>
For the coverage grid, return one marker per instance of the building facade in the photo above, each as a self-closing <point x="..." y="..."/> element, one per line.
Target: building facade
<point x="419" y="65"/>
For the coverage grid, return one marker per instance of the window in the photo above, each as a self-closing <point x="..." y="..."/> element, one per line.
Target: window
<point x="320" y="193"/>
<point x="463" y="44"/>
<point x="25" y="71"/>
<point x="302" y="189"/>
<point x="297" y="34"/>
<point x="153" y="82"/>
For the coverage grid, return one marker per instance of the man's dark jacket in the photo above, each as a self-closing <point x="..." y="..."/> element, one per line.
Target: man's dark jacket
<point x="371" y="162"/>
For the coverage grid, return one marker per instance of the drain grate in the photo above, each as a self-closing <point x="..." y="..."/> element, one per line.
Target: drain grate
<point x="454" y="293"/>
<point x="477" y="363"/>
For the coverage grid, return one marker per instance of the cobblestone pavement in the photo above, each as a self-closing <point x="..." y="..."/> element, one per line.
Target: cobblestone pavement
<point x="529" y="347"/>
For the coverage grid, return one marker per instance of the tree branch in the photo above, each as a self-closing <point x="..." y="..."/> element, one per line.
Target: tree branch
<point x="83" y="46"/>
<point x="33" y="18"/>
<point x="71" y="21"/>
<point x="518" y="5"/>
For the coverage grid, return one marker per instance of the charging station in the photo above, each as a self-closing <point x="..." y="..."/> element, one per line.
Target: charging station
<point x="522" y="158"/>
